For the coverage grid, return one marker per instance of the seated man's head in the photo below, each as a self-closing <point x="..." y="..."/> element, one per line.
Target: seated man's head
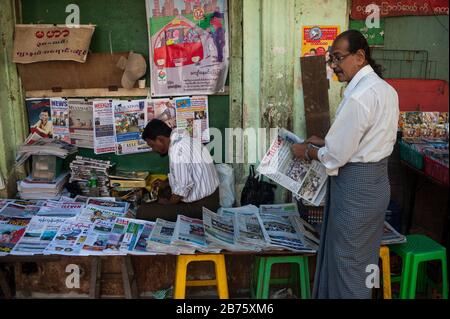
<point x="157" y="135"/>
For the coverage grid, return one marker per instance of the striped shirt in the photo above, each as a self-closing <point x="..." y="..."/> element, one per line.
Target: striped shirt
<point x="192" y="174"/>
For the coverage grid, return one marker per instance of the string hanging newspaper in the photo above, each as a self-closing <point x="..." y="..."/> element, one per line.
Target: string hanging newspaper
<point x="306" y="180"/>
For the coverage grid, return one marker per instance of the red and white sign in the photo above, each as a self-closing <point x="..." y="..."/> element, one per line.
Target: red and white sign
<point x="394" y="8"/>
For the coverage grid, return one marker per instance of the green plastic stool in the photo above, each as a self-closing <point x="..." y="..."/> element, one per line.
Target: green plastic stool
<point x="299" y="275"/>
<point x="418" y="249"/>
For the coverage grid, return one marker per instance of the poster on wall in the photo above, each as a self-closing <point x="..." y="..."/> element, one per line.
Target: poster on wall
<point x="374" y="35"/>
<point x="189" y="50"/>
<point x="129" y="123"/>
<point x="48" y="42"/>
<point x="317" y="40"/>
<point x="39" y="117"/>
<point x="104" y="138"/>
<point x="60" y="119"/>
<point x="192" y="114"/>
<point x="394" y="8"/>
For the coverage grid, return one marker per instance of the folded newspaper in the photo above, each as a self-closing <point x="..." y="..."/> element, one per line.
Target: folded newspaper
<point x="306" y="180"/>
<point x="36" y="145"/>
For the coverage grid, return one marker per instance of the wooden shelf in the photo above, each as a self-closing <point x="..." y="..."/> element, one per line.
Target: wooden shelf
<point x="96" y="92"/>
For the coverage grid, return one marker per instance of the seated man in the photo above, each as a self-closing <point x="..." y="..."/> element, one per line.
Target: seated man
<point x="193" y="179"/>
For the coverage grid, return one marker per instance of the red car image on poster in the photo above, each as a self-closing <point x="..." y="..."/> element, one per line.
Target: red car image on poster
<point x="178" y="44"/>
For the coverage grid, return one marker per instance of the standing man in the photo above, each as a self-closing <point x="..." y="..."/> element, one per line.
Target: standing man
<point x="193" y="182"/>
<point x="355" y="153"/>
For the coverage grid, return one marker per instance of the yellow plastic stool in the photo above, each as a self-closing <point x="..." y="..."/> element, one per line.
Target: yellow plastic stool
<point x="386" y="269"/>
<point x="180" y="277"/>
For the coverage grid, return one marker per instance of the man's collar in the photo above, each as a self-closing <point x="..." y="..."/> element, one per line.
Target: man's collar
<point x="177" y="134"/>
<point x="358" y="76"/>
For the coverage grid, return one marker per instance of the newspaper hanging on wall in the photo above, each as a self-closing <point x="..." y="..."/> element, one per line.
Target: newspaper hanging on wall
<point x="189" y="51"/>
<point x="60" y="119"/>
<point x="104" y="138"/>
<point x="47" y="42"/>
<point x="164" y="110"/>
<point x="129" y="123"/>
<point x="80" y="123"/>
<point x="192" y="115"/>
<point x="306" y="180"/>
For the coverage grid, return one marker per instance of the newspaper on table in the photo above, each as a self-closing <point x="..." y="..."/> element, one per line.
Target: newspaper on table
<point x="99" y="236"/>
<point x="131" y="235"/>
<point x="118" y="207"/>
<point x="140" y="247"/>
<point x="60" y="118"/>
<point x="304" y="179"/>
<point x="69" y="239"/>
<point x="192" y="115"/>
<point x="39" y="234"/>
<point x="60" y="209"/>
<point x="129" y="123"/>
<point x="92" y="213"/>
<point x="283" y="233"/>
<point x="81" y="126"/>
<point x="189" y="232"/>
<point x="219" y="230"/>
<point x="11" y="209"/>
<point x="391" y="236"/>
<point x="104" y="138"/>
<point x="11" y="230"/>
<point x="248" y="227"/>
<point x="160" y="239"/>
<point x="164" y="110"/>
<point x="279" y="209"/>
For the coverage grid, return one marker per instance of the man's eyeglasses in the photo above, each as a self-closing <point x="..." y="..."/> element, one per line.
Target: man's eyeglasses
<point x="337" y="59"/>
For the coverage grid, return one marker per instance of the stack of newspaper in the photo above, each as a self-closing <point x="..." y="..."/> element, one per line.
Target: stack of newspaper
<point x="306" y="180"/>
<point x="30" y="189"/>
<point x="391" y="236"/>
<point x="190" y="233"/>
<point x="161" y="238"/>
<point x="81" y="170"/>
<point x="36" y="145"/>
<point x="235" y="229"/>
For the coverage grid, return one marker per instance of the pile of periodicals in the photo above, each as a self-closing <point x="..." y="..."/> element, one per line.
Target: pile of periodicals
<point x="306" y="180"/>
<point x="32" y="189"/>
<point x="36" y="145"/>
<point x="82" y="169"/>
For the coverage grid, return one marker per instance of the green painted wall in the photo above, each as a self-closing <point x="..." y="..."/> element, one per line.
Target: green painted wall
<point x="12" y="115"/>
<point x="120" y="26"/>
<point x="272" y="83"/>
<point x="420" y="33"/>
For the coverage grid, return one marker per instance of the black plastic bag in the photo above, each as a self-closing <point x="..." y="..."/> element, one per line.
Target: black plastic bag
<point x="257" y="192"/>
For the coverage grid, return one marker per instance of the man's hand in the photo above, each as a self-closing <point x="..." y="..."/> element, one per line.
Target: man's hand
<point x="299" y="150"/>
<point x="316" y="141"/>
<point x="160" y="183"/>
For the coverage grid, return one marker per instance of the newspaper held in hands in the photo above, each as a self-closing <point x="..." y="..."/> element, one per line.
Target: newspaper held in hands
<point x="304" y="179"/>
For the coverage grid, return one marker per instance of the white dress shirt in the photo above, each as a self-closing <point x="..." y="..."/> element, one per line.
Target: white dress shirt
<point x="193" y="175"/>
<point x="365" y="127"/>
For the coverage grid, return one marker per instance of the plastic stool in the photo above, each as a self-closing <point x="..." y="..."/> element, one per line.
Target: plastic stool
<point x="416" y="250"/>
<point x="262" y="269"/>
<point x="386" y="269"/>
<point x="181" y="281"/>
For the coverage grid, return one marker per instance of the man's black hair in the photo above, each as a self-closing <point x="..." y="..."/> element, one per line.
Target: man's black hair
<point x="156" y="128"/>
<point x="357" y="41"/>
